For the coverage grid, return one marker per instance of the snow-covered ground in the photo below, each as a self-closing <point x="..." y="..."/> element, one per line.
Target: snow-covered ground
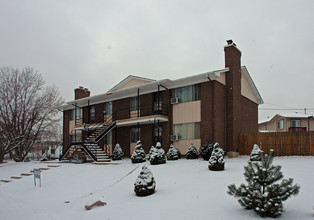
<point x="185" y="189"/>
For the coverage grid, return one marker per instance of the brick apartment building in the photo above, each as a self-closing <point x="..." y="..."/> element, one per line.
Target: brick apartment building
<point x="216" y="105"/>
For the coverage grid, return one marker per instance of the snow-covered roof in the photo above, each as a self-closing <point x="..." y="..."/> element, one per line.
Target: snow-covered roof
<point x="295" y="115"/>
<point x="145" y="88"/>
<point x="286" y="115"/>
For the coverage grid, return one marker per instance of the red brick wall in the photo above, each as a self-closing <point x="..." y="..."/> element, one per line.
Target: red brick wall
<point x="66" y="128"/>
<point x="213" y="113"/>
<point x="146" y="136"/>
<point x="123" y="138"/>
<point x="117" y="105"/>
<point x="233" y="97"/>
<point x="81" y="93"/>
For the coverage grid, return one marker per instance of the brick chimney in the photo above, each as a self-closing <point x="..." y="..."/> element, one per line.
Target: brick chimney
<point x="81" y="92"/>
<point x="233" y="95"/>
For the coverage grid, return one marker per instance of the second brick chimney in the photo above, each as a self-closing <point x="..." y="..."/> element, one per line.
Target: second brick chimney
<point x="81" y="92"/>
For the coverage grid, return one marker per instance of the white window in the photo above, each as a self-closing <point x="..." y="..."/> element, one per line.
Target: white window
<point x="187" y="131"/>
<point x="187" y="93"/>
<point x="295" y="123"/>
<point x="280" y="124"/>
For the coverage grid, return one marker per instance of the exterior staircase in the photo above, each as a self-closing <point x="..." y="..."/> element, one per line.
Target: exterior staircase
<point x="89" y="147"/>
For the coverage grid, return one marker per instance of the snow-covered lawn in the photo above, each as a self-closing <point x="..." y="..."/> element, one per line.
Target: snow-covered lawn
<point x="185" y="189"/>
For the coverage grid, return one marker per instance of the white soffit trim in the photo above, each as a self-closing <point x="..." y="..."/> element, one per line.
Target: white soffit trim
<point x="252" y="84"/>
<point x="141" y="121"/>
<point x="147" y="88"/>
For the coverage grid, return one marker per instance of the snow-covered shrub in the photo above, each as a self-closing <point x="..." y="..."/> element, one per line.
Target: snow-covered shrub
<point x="192" y="152"/>
<point x="178" y="151"/>
<point x="216" y="160"/>
<point x="255" y="153"/>
<point x="172" y="153"/>
<point x="117" y="153"/>
<point x="152" y="149"/>
<point x="261" y="193"/>
<point x="157" y="155"/>
<point x="145" y="183"/>
<point x="206" y="149"/>
<point x="138" y="155"/>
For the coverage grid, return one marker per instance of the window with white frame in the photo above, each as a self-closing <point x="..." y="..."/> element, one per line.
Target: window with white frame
<point x="295" y="123"/>
<point x="187" y="131"/>
<point x="280" y="124"/>
<point x="187" y="93"/>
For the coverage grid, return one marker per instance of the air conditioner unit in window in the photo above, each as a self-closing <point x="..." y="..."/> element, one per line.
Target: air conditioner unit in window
<point x="174" y="100"/>
<point x="173" y="137"/>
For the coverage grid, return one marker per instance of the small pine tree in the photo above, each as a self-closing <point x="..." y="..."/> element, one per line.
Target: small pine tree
<point x="207" y="149"/>
<point x="145" y="183"/>
<point x="255" y="153"/>
<point x="178" y="151"/>
<point x="192" y="152"/>
<point x="138" y="155"/>
<point x="117" y="153"/>
<point x="172" y="153"/>
<point x="216" y="160"/>
<point x="262" y="194"/>
<point x="158" y="155"/>
<point x="152" y="149"/>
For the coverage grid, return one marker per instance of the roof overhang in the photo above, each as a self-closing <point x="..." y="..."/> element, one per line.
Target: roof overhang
<point x="144" y="89"/>
<point x="252" y="85"/>
<point x="141" y="120"/>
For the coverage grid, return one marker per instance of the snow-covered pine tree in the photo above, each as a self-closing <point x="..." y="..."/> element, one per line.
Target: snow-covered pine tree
<point x="117" y="153"/>
<point x="145" y="183"/>
<point x="178" y="151"/>
<point x="216" y="160"/>
<point x="157" y="156"/>
<point x="207" y="149"/>
<point x="152" y="149"/>
<point x="192" y="152"/>
<point x="255" y="153"/>
<point x="263" y="194"/>
<point x="172" y="153"/>
<point x="138" y="155"/>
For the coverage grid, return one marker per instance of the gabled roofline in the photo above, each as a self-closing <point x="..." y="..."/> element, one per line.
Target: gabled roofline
<point x="252" y="85"/>
<point x="149" y="87"/>
<point x="128" y="78"/>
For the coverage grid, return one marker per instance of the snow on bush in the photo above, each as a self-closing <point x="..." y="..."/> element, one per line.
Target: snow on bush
<point x="178" y="151"/>
<point x="145" y="183"/>
<point x="261" y="193"/>
<point x="255" y="153"/>
<point x="117" y="153"/>
<point x="152" y="149"/>
<point x="216" y="160"/>
<point x="157" y="156"/>
<point x="206" y="149"/>
<point x="138" y="155"/>
<point x="173" y="153"/>
<point x="192" y="152"/>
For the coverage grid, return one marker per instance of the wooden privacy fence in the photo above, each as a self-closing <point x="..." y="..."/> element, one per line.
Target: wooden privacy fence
<point x="284" y="143"/>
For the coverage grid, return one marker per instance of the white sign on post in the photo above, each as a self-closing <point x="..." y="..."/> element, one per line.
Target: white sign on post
<point x="37" y="176"/>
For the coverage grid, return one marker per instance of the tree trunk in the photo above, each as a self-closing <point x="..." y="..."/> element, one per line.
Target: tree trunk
<point x="1" y="157"/>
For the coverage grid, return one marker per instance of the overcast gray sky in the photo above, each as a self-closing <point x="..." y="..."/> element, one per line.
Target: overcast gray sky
<point x="96" y="44"/>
